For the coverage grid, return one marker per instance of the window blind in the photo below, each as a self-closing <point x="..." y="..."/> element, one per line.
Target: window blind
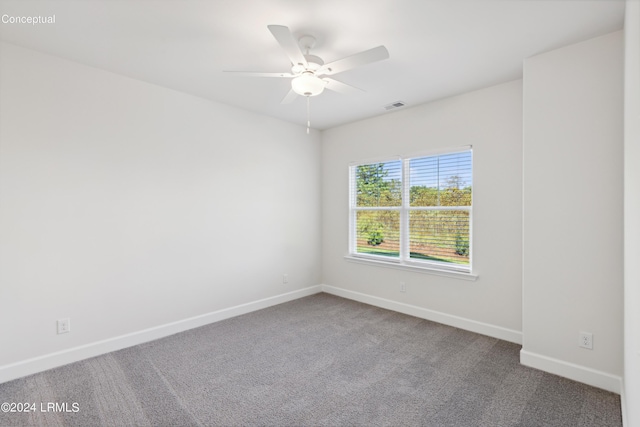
<point x="440" y="191"/>
<point x="377" y="200"/>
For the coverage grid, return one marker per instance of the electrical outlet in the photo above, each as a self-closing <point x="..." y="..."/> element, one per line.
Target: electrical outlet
<point x="285" y="278"/>
<point x="64" y="326"/>
<point x="403" y="287"/>
<point x="586" y="340"/>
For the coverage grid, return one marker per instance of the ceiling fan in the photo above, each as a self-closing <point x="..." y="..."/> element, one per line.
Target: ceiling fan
<point x="309" y="73"/>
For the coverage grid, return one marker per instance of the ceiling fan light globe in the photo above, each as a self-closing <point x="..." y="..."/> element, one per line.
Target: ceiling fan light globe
<point x="307" y="85"/>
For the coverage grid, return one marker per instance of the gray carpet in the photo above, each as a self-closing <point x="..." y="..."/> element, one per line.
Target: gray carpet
<point x="316" y="361"/>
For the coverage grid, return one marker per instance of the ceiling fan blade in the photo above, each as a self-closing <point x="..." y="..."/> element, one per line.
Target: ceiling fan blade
<point x="368" y="56"/>
<point x="288" y="43"/>
<point x="289" y="97"/>
<point x="340" y="87"/>
<point x="252" y="74"/>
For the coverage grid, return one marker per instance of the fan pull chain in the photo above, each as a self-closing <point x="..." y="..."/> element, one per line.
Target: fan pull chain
<point x="308" y="116"/>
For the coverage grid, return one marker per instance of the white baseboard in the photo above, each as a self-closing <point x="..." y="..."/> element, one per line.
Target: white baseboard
<point x="424" y="313"/>
<point x="623" y="404"/>
<point x="64" y="357"/>
<point x="572" y="371"/>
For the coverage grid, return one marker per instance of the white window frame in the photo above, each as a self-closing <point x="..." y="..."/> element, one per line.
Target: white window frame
<point x="403" y="261"/>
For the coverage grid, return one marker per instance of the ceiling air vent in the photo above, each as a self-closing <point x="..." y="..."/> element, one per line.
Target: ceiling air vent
<point x="394" y="105"/>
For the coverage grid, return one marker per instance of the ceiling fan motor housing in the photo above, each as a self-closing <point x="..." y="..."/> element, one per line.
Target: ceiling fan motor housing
<point x="313" y="64"/>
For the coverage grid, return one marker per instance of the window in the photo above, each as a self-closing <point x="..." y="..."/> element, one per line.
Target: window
<point x="414" y="211"/>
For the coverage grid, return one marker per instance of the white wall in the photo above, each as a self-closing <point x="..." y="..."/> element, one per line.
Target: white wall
<point x="126" y="206"/>
<point x="632" y="213"/>
<point x="573" y="201"/>
<point x="489" y="119"/>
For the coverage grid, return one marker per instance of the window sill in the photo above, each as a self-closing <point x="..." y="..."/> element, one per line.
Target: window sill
<point x="417" y="269"/>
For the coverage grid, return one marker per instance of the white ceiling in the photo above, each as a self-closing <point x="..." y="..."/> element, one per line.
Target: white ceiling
<point x="437" y="48"/>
